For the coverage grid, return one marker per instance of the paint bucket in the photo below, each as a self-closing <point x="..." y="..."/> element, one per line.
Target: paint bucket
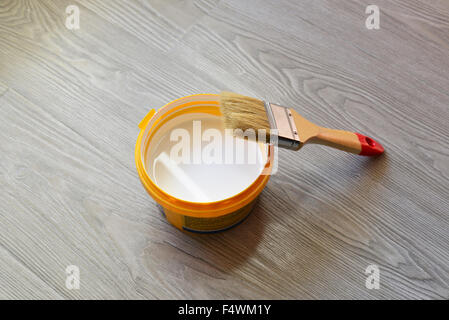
<point x="201" y="198"/>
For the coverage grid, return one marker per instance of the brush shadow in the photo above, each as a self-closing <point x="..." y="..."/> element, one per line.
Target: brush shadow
<point x="358" y="184"/>
<point x="309" y="262"/>
<point x="370" y="173"/>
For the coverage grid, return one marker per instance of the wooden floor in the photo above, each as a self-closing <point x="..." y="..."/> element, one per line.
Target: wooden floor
<point x="70" y="102"/>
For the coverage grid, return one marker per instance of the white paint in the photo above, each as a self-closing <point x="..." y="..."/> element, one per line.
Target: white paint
<point x="169" y="174"/>
<point x="202" y="180"/>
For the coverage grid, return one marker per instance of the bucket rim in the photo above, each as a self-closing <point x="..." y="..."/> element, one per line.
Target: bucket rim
<point x="184" y="207"/>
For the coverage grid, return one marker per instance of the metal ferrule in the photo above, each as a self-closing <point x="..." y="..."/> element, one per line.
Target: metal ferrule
<point x="283" y="126"/>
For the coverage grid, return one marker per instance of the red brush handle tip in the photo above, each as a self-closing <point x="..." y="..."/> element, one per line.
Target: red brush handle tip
<point x="370" y="147"/>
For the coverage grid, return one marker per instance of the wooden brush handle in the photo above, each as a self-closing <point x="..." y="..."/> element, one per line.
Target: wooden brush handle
<point x="339" y="139"/>
<point x="348" y="141"/>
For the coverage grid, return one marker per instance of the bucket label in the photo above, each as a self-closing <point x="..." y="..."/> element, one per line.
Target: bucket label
<point x="206" y="225"/>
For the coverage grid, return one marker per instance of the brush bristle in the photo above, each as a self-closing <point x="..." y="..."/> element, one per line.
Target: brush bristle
<point x="241" y="112"/>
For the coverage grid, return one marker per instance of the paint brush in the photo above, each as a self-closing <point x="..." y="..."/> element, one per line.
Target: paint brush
<point x="292" y="130"/>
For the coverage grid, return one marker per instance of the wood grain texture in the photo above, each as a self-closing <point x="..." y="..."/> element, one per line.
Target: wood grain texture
<point x="70" y="102"/>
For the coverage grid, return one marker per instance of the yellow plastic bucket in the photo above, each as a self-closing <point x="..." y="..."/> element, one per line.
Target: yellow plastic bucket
<point x="200" y="217"/>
